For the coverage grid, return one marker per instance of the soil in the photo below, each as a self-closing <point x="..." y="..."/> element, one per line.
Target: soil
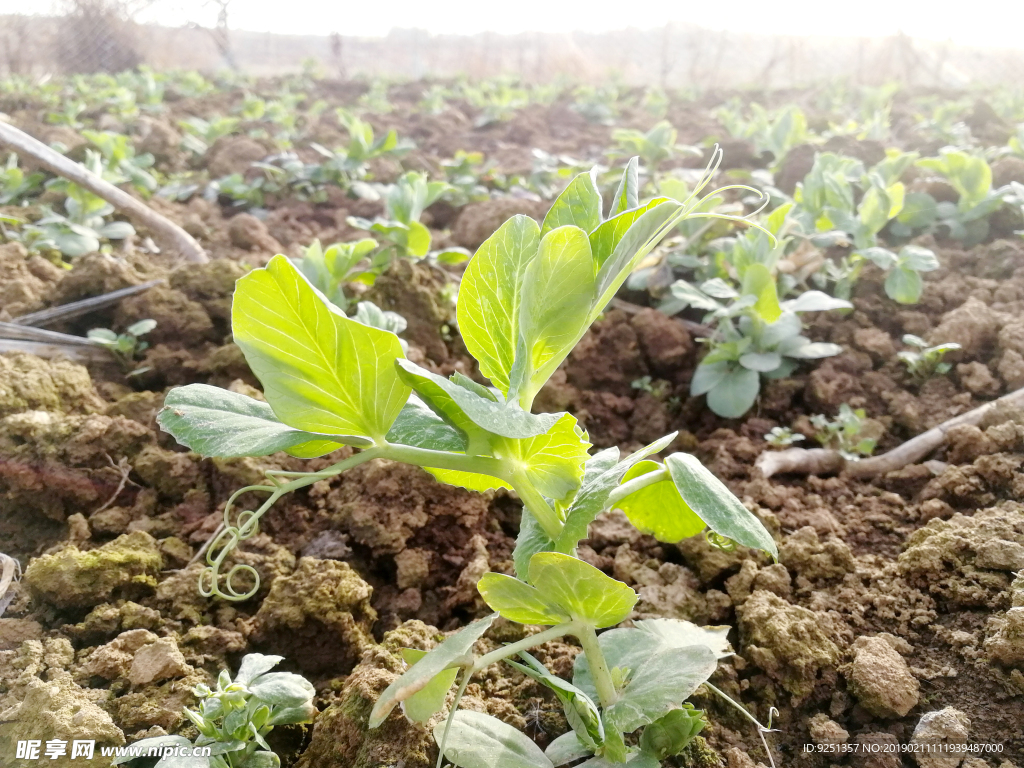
<point x="893" y="598"/>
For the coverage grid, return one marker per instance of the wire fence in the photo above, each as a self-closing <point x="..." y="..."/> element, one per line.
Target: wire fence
<point x="678" y="56"/>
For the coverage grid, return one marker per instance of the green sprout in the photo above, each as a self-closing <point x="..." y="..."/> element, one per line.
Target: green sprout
<point x="852" y="434"/>
<point x="235" y="717"/>
<point x="125" y="347"/>
<point x="924" y="362"/>
<point x="783" y="437"/>
<point x="525" y="301"/>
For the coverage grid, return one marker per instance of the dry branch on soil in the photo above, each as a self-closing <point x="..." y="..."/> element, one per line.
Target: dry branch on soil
<point x="818" y="461"/>
<point x="172" y="237"/>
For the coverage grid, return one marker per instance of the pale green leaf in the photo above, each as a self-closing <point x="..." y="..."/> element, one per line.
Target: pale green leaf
<point x="490" y="295"/>
<point x="552" y="462"/>
<point x="566" y="748"/>
<point x="219" y="423"/>
<point x="420" y="427"/>
<point x="477" y="740"/>
<point x="321" y="371"/>
<point x="627" y="194"/>
<point x="579" y="205"/>
<point x="658" y="509"/>
<point x="716" y="505"/>
<point x="606" y="237"/>
<point x="421" y="706"/>
<point x="518" y="601"/>
<point x="581" y="589"/>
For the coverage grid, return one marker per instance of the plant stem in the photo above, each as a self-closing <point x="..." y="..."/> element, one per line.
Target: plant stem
<point x="466" y="674"/>
<point x="460" y="462"/>
<point x="635" y="485"/>
<point x="534" y="501"/>
<point x="553" y="633"/>
<point x="598" y="666"/>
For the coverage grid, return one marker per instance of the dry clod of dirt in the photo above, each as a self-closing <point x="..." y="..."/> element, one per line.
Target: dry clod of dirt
<point x="880" y="679"/>
<point x="1004" y="642"/>
<point x="320" y="615"/>
<point x="114" y="659"/>
<point x="341" y="738"/>
<point x="28" y="382"/>
<point x="977" y="379"/>
<point x="25" y="282"/>
<point x="825" y="730"/>
<point x="13" y="632"/>
<point x="940" y="729"/>
<point x="158" y="661"/>
<point x="478" y="221"/>
<point x="75" y="579"/>
<point x="233" y="154"/>
<point x="973" y="325"/>
<point x="249" y="233"/>
<point x="795" y="646"/>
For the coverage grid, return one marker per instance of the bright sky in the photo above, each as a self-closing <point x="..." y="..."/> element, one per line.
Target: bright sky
<point x="990" y="23"/>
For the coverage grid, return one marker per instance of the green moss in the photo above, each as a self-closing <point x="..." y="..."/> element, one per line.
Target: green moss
<point x="72" y="578"/>
<point x="698" y="754"/>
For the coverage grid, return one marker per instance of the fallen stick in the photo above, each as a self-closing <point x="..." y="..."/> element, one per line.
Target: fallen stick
<point x="77" y="353"/>
<point x="174" y="238"/>
<point x="84" y="306"/>
<point x="815" y="461"/>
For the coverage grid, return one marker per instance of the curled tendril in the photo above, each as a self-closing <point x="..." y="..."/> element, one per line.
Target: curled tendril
<point x="718" y="541"/>
<point x="212" y="583"/>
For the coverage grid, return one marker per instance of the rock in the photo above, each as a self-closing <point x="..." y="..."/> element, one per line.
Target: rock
<point x="881" y="680"/>
<point x="13" y="632"/>
<point x="795" y="646"/>
<point x="320" y="616"/>
<point x="977" y="379"/>
<point x="876" y="750"/>
<point x="937" y="730"/>
<point x="114" y="659"/>
<point x="158" y="661"/>
<point x="825" y="730"/>
<point x="75" y="579"/>
<point x="328" y="545"/>
<point x="1004" y="641"/>
<point x="478" y="221"/>
<point x="341" y="738"/>
<point x="1000" y="555"/>
<point x="1011" y="369"/>
<point x="249" y="233"/>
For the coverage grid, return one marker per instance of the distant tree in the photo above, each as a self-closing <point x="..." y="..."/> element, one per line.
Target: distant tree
<point x="98" y="35"/>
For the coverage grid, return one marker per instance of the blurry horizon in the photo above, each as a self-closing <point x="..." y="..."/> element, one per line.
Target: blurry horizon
<point x="800" y="18"/>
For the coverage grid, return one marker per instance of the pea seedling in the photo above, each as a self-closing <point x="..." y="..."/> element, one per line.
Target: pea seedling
<point x="125" y="346"/>
<point x="926" y="361"/>
<point x="851" y="433"/>
<point x="235" y="717"/>
<point x="526" y="299"/>
<point x="783" y="437"/>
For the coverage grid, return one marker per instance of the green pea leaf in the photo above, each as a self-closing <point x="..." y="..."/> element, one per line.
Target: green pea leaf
<point x="283" y="689"/>
<point x="558" y="293"/>
<point x="490" y="295"/>
<point x="716" y="505"/>
<point x="734" y="394"/>
<point x="627" y="194"/>
<point x="477" y="740"/>
<point x="579" y="205"/>
<point x="602" y="474"/>
<point x="566" y="748"/>
<point x="216" y="422"/>
<point x="154" y="741"/>
<point x="759" y="282"/>
<point x="518" y="601"/>
<point x="633" y="760"/>
<point x="606" y="237"/>
<point x="676" y="633"/>
<point x="321" y="371"/>
<point x="421" y="706"/>
<point x="581" y="589"/>
<point x="531" y="540"/>
<point x="903" y="285"/>
<point x="670" y="734"/>
<point x="552" y="462"/>
<point x="658" y="509"/>
<point x="255" y="664"/>
<point x="471" y="481"/>
<point x="262" y="759"/>
<point x="420" y="427"/>
<point x="419" y="675"/>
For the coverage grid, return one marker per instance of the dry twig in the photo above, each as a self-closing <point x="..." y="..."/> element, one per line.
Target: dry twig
<point x="815" y="461"/>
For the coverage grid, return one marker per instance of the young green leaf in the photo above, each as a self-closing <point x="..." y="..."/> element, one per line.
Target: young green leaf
<point x="552" y="462"/>
<point x="477" y="740"/>
<point x="580" y="710"/>
<point x="602" y="474"/>
<point x="518" y="601"/>
<point x="676" y="633"/>
<point x="421" y="706"/>
<point x="579" y="205"/>
<point x="669" y="735"/>
<point x="581" y="589"/>
<point x="658" y="509"/>
<point x="419" y="675"/>
<point x="420" y="427"/>
<point x="607" y="237"/>
<point x="566" y="748"/>
<point x="490" y="295"/>
<point x="321" y="371"/>
<point x="216" y="422"/>
<point x="531" y="539"/>
<point x="558" y="293"/>
<point x="716" y="505"/>
<point x="282" y="689"/>
<point x="627" y="194"/>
